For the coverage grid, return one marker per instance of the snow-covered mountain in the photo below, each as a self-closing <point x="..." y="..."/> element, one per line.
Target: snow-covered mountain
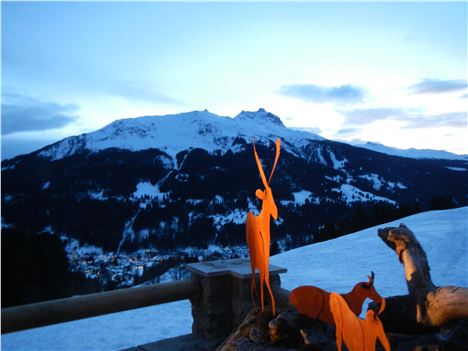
<point x="411" y="153"/>
<point x="188" y="179"/>
<point x="175" y="133"/>
<point x="335" y="265"/>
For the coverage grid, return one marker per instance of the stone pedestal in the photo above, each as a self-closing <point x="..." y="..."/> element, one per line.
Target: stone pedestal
<point x="225" y="297"/>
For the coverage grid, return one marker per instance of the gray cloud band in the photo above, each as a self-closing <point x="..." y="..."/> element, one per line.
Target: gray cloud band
<point x="315" y="93"/>
<point x="438" y="86"/>
<point x="411" y="118"/>
<point x="22" y="114"/>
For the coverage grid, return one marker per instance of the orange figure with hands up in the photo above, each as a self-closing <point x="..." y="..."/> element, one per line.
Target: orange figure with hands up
<point x="258" y="232"/>
<point x="357" y="334"/>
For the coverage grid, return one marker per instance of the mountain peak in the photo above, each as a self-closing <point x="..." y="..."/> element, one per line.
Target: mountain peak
<point x="261" y="115"/>
<point x="177" y="132"/>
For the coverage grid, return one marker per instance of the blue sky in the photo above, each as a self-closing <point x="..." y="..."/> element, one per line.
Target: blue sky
<point x="393" y="73"/>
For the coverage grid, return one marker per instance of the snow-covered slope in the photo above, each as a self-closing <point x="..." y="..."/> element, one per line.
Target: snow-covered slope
<point x="338" y="264"/>
<point x="411" y="153"/>
<point x="334" y="265"/>
<point x="175" y="133"/>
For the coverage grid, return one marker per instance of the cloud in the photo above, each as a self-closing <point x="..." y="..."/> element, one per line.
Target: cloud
<point x="313" y="130"/>
<point x="135" y="91"/>
<point x="438" y="86"/>
<point x="132" y="88"/>
<point x="369" y="115"/>
<point x="411" y="118"/>
<point x="20" y="114"/>
<point x="315" y="93"/>
<point x="345" y="132"/>
<point x="452" y="119"/>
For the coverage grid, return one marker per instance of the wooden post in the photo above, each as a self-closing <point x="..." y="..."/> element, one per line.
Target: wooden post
<point x="225" y="298"/>
<point x="63" y="310"/>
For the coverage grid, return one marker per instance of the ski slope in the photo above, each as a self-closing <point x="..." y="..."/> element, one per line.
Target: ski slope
<point x="335" y="265"/>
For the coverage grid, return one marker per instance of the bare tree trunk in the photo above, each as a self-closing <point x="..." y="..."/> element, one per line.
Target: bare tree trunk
<point x="434" y="306"/>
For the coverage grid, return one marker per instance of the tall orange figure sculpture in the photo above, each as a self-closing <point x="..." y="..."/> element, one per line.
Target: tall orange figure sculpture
<point x="258" y="232"/>
<point x="315" y="302"/>
<point x="357" y="334"/>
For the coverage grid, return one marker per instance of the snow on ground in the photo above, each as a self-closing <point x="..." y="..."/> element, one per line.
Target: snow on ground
<point x="145" y="191"/>
<point x="335" y="265"/>
<point x="237" y="216"/>
<point x="338" y="264"/>
<point x="398" y="185"/>
<point x="458" y="169"/>
<point x="128" y="232"/>
<point x="378" y="182"/>
<point x="74" y="246"/>
<point x="337" y="164"/>
<point x="95" y="195"/>
<point x="115" y="331"/>
<point x="374" y="179"/>
<point x="146" y="188"/>
<point x="350" y="193"/>
<point x="320" y="157"/>
<point x="300" y="198"/>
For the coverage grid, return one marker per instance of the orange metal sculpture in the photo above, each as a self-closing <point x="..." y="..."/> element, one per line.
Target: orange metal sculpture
<point x="258" y="232"/>
<point x="357" y="334"/>
<point x="315" y="302"/>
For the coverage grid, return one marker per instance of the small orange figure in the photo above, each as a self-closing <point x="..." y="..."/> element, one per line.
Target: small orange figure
<point x="315" y="302"/>
<point x="357" y="334"/>
<point x="258" y="232"/>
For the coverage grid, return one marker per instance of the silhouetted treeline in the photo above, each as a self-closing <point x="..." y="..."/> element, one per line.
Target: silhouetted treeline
<point x="365" y="215"/>
<point x="34" y="267"/>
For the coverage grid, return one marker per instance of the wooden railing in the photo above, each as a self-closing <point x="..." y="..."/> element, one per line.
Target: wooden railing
<point x="219" y="293"/>
<point x="73" y="308"/>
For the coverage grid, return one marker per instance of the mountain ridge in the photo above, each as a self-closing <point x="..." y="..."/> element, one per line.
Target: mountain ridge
<point x="411" y="152"/>
<point x="187" y="179"/>
<point x="177" y="132"/>
<point x="173" y="133"/>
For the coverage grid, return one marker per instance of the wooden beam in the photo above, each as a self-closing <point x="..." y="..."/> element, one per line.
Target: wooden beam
<point x="85" y="306"/>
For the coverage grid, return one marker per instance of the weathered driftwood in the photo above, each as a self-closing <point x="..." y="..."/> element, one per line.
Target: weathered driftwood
<point x="288" y="331"/>
<point x="251" y="335"/>
<point x="427" y="307"/>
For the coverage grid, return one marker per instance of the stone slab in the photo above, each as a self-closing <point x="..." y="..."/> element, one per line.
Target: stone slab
<point x="238" y="267"/>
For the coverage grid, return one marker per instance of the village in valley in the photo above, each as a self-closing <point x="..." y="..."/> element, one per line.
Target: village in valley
<point x="110" y="270"/>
